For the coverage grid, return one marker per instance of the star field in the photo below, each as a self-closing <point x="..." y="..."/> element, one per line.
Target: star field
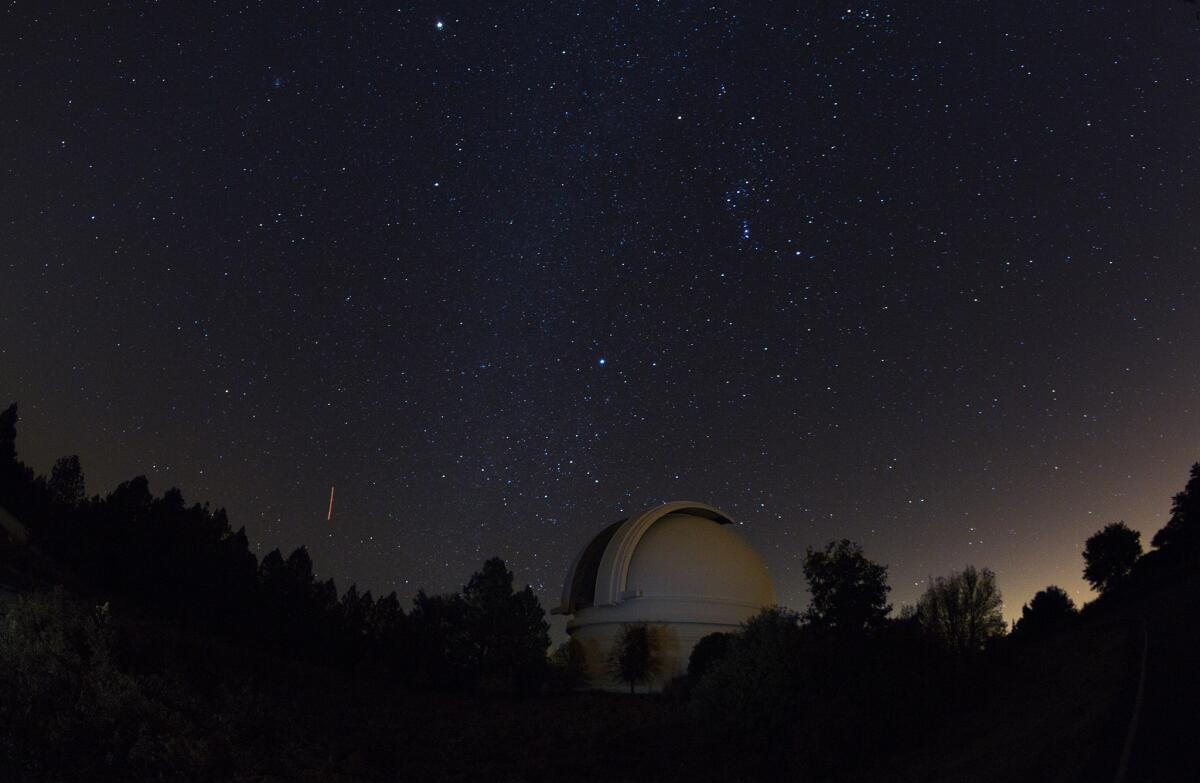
<point x="923" y="277"/>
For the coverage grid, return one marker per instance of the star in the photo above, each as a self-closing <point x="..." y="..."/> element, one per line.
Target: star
<point x="578" y="211"/>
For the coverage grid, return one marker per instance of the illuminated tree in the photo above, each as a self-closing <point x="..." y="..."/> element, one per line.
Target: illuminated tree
<point x="962" y="610"/>
<point x="570" y="665"/>
<point x="635" y="658"/>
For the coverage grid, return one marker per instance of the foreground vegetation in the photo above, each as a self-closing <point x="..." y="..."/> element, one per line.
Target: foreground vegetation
<point x="141" y="639"/>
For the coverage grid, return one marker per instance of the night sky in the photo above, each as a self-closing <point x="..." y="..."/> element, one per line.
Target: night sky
<point x="920" y="275"/>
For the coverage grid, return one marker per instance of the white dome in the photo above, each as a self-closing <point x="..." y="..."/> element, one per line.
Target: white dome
<point x="680" y="567"/>
<point x="687" y="556"/>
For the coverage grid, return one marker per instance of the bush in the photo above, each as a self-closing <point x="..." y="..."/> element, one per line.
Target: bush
<point x="706" y="654"/>
<point x="1050" y="611"/>
<point x="568" y="669"/>
<point x="751" y="691"/>
<point x="68" y="712"/>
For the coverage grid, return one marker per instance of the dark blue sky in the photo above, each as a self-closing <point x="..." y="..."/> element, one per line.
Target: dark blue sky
<point x="921" y="276"/>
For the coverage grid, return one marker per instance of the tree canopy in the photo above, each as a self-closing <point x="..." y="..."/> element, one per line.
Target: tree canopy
<point x="753" y="689"/>
<point x="8" y="434"/>
<point x="66" y="485"/>
<point x="962" y="610"/>
<point x="849" y="592"/>
<point x="1182" y="531"/>
<point x="1109" y="555"/>
<point x="186" y="561"/>
<point x="706" y="654"/>
<point x="508" y="628"/>
<point x="1050" y="610"/>
<point x="635" y="657"/>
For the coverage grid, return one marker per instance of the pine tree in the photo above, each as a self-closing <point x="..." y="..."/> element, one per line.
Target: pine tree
<point x="66" y="484"/>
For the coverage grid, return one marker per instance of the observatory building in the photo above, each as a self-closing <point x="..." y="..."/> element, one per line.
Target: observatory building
<point x="679" y="568"/>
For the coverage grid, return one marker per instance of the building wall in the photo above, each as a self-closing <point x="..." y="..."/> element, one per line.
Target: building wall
<point x="677" y="624"/>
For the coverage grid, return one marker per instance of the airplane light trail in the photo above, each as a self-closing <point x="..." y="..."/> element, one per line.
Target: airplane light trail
<point x="329" y="516"/>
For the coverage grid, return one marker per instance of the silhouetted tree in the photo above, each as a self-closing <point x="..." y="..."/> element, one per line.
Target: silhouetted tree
<point x="442" y="652"/>
<point x="355" y="610"/>
<point x="707" y="653"/>
<point x="298" y="617"/>
<point x="21" y="492"/>
<point x="1050" y="610"/>
<point x="187" y="562"/>
<point x="271" y="569"/>
<point x="1182" y="531"/>
<point x="8" y="434"/>
<point x="635" y="658"/>
<point x="66" y="485"/>
<point x="387" y="622"/>
<point x="962" y="610"/>
<point x="357" y="614"/>
<point x="300" y="569"/>
<point x="1109" y="555"/>
<point x="508" y="628"/>
<point x="849" y="592"/>
<point x="235" y="577"/>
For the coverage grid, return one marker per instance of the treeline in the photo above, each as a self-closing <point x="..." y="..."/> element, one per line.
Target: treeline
<point x="186" y="562"/>
<point x="814" y="692"/>
<point x="846" y="678"/>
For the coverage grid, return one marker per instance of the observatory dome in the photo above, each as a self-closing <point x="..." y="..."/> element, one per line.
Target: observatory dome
<point x="680" y="568"/>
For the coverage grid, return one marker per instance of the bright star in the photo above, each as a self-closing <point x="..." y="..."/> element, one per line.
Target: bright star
<point x="602" y="360"/>
<point x="439" y="24"/>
